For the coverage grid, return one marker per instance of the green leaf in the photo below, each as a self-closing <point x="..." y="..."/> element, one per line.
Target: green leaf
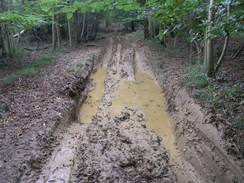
<point x="160" y="35"/>
<point x="69" y="15"/>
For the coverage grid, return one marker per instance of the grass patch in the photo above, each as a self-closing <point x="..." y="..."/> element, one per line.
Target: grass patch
<point x="139" y="34"/>
<point x="24" y="73"/>
<point x="27" y="73"/>
<point x="20" y="51"/>
<point x="98" y="36"/>
<point x="31" y="69"/>
<point x="196" y="77"/>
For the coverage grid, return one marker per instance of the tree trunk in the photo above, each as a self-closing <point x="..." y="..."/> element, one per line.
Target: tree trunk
<point x="4" y="50"/>
<point x="107" y="18"/>
<point x="54" y="35"/>
<point x="175" y="41"/>
<point x="58" y="34"/>
<point x="152" y="28"/>
<point x="226" y="42"/>
<point x="146" y="28"/>
<point x="205" y="51"/>
<point x="70" y="32"/>
<point x="209" y="62"/>
<point x="7" y="42"/>
<point x="75" y="25"/>
<point x="239" y="51"/>
<point x="83" y="27"/>
<point x="132" y="25"/>
<point x="2" y="31"/>
<point x="223" y="53"/>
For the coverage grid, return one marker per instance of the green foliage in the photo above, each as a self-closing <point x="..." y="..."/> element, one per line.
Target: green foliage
<point x="124" y="16"/>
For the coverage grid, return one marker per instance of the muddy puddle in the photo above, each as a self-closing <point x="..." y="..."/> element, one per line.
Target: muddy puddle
<point x="143" y="96"/>
<point x="90" y="106"/>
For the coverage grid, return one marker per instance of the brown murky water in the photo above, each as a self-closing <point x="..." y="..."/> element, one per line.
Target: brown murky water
<point x="90" y="106"/>
<point x="143" y="96"/>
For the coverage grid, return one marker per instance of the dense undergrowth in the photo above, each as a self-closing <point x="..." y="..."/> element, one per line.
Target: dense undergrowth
<point x="225" y="98"/>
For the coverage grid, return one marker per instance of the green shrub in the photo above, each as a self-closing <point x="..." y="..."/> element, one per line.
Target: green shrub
<point x="196" y="76"/>
<point x="20" y="51"/>
<point x="232" y="92"/>
<point x="202" y="95"/>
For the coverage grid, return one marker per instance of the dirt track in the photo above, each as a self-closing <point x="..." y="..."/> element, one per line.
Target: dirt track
<point x="110" y="135"/>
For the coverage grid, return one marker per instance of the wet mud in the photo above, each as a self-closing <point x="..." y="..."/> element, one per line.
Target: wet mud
<point x="120" y="150"/>
<point x="128" y="120"/>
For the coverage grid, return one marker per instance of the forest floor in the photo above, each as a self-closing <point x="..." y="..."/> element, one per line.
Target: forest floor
<point x="115" y="110"/>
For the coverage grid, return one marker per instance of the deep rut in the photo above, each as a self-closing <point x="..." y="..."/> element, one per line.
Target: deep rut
<point x="117" y="137"/>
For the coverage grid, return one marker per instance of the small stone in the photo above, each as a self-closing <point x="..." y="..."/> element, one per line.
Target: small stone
<point x="26" y="115"/>
<point x="144" y="126"/>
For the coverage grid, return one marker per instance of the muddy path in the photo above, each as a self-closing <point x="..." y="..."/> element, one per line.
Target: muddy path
<point x="124" y="134"/>
<point x="120" y="126"/>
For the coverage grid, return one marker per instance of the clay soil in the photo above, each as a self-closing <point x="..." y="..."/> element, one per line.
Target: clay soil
<point x="43" y="138"/>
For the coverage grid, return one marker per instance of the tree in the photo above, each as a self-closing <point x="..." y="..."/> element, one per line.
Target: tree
<point x="208" y="59"/>
<point x="227" y="37"/>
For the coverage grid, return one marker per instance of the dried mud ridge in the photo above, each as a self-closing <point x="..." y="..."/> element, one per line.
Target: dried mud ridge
<point x="114" y="143"/>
